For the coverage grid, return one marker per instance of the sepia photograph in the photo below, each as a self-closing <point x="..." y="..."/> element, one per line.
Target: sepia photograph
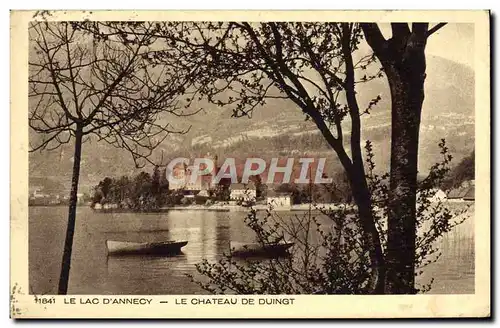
<point x="234" y="162"/>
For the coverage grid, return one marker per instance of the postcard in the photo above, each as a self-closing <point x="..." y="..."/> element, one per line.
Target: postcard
<point x="250" y="164"/>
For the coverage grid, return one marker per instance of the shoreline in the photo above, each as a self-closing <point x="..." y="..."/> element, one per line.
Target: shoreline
<point x="227" y="208"/>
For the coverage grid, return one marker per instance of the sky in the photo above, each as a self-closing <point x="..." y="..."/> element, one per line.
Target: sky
<point x="454" y="41"/>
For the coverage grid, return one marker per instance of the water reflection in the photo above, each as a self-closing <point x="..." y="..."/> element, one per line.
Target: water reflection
<point x="208" y="235"/>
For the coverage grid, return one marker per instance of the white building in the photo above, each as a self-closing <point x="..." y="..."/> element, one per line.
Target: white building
<point x="437" y="195"/>
<point x="240" y="191"/>
<point x="37" y="193"/>
<point x="183" y="181"/>
<point x="279" y="199"/>
<point x="203" y="193"/>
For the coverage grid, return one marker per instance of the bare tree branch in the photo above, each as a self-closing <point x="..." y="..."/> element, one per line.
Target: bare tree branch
<point x="435" y="29"/>
<point x="106" y="87"/>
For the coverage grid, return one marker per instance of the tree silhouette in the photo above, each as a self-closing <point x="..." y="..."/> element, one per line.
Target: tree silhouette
<point x="84" y="87"/>
<point x="403" y="59"/>
<point x="318" y="67"/>
<point x="464" y="171"/>
<point x="312" y="64"/>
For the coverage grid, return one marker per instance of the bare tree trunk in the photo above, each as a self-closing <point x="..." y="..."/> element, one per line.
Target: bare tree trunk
<point x="407" y="93"/>
<point x="403" y="59"/>
<point x="359" y="185"/>
<point x="362" y="198"/>
<point x="70" y="230"/>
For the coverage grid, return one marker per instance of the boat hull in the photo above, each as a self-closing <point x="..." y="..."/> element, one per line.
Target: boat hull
<point x="256" y="249"/>
<point x="156" y="248"/>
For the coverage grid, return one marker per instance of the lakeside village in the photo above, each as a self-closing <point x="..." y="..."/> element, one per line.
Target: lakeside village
<point x="157" y="192"/>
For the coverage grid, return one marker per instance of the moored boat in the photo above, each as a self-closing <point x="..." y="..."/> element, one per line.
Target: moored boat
<point x="155" y="248"/>
<point x="258" y="249"/>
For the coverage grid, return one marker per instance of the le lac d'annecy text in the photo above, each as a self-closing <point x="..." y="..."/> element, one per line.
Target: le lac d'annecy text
<point x="181" y="301"/>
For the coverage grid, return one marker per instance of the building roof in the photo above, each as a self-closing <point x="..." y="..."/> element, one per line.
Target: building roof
<point x="462" y="193"/>
<point x="470" y="195"/>
<point x="272" y="186"/>
<point x="457" y="193"/>
<point x="242" y="186"/>
<point x="273" y="193"/>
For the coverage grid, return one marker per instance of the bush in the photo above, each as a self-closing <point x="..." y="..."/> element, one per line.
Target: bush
<point x="174" y="198"/>
<point x="329" y="258"/>
<point x="200" y="200"/>
<point x="186" y="201"/>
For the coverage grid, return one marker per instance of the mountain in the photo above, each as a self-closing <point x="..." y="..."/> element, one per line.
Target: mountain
<point x="279" y="127"/>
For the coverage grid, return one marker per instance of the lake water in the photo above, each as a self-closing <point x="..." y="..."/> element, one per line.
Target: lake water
<point x="209" y="235"/>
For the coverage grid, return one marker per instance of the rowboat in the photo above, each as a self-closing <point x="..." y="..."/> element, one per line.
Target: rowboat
<point x="156" y="248"/>
<point x="258" y="249"/>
